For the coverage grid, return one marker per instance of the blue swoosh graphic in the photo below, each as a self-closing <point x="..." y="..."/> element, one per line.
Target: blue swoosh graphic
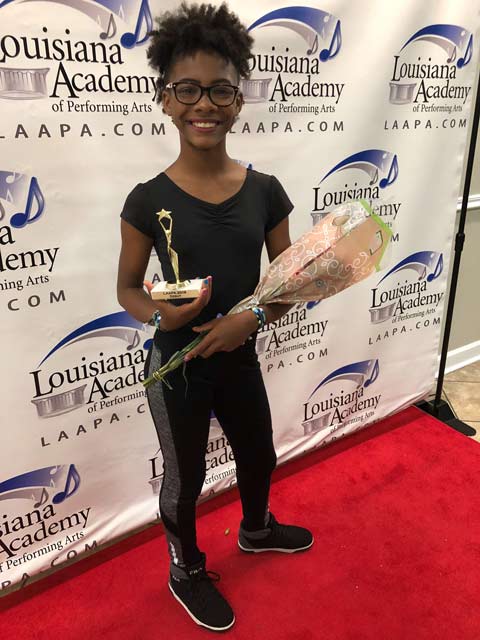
<point x="119" y="319"/>
<point x="120" y="7"/>
<point x="371" y="161"/>
<point x="438" y="34"/>
<point x="102" y="11"/>
<point x="420" y="262"/>
<point x="315" y="22"/>
<point x="57" y="477"/>
<point x="365" y="369"/>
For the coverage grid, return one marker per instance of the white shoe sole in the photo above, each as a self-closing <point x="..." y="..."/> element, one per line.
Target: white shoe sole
<point x="202" y="624"/>
<point x="274" y="549"/>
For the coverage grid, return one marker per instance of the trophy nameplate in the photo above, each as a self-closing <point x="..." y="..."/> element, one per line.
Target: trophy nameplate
<point x="179" y="288"/>
<point x="176" y="290"/>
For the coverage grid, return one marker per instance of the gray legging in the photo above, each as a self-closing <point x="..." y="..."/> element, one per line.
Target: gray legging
<point x="231" y="385"/>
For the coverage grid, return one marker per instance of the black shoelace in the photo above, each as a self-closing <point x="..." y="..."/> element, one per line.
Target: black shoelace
<point x="211" y="576"/>
<point x="203" y="579"/>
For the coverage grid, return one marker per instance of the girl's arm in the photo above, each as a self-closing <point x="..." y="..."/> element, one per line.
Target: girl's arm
<point x="134" y="257"/>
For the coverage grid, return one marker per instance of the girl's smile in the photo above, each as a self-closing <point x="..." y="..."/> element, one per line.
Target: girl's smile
<point x="202" y="125"/>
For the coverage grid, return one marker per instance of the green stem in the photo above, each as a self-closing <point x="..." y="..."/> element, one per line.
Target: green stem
<point x="173" y="363"/>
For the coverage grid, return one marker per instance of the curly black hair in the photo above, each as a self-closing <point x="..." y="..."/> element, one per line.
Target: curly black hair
<point x="193" y="28"/>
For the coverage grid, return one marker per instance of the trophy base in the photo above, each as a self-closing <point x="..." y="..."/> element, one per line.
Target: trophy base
<point x="175" y="291"/>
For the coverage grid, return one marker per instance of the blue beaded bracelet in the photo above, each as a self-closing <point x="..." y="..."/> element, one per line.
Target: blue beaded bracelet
<point x="264" y="316"/>
<point x="261" y="317"/>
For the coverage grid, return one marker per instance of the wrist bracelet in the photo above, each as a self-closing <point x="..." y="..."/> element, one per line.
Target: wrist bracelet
<point x="261" y="316"/>
<point x="155" y="320"/>
<point x="264" y="316"/>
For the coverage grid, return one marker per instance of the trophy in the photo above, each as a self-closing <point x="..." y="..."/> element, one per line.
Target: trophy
<point x="180" y="288"/>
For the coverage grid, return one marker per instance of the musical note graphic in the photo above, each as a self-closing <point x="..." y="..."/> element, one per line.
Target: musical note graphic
<point x="392" y="174"/>
<point x="13" y="177"/>
<point x="13" y="185"/>
<point x="374" y="375"/>
<point x="438" y="270"/>
<point x="144" y="20"/>
<point x="334" y="46"/>
<point x="453" y="54"/>
<point x="111" y="29"/>
<point x="467" y="56"/>
<point x="43" y="499"/>
<point x="71" y="485"/>
<point x="374" y="177"/>
<point x="19" y="220"/>
<point x="314" y="48"/>
<point x="2" y="212"/>
<point x="135" y="342"/>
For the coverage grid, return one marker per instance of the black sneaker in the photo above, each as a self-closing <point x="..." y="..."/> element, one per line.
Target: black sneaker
<point x="275" y="537"/>
<point x="194" y="589"/>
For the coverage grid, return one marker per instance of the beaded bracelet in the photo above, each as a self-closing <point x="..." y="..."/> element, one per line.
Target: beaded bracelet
<point x="155" y="320"/>
<point x="261" y="317"/>
<point x="264" y="316"/>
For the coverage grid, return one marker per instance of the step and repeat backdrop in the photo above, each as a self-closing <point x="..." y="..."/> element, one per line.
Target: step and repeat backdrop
<point x="346" y="100"/>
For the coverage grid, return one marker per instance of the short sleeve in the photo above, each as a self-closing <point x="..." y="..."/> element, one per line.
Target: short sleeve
<point x="135" y="211"/>
<point x="279" y="205"/>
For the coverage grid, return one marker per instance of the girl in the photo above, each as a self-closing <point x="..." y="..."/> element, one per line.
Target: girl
<point x="222" y="214"/>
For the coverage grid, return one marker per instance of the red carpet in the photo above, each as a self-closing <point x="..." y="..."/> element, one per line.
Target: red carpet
<point x="395" y="511"/>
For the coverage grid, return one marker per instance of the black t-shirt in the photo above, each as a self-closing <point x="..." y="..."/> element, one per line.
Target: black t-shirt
<point x="222" y="240"/>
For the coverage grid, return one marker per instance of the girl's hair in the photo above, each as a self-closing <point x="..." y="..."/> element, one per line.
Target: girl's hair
<point x="193" y="28"/>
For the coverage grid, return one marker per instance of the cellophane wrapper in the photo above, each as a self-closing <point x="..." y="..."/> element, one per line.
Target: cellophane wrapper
<point x="345" y="247"/>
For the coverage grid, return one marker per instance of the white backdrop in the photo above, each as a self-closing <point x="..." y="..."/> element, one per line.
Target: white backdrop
<point x="365" y="99"/>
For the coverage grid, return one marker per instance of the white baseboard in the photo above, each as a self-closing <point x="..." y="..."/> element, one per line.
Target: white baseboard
<point x="463" y="356"/>
<point x="473" y="202"/>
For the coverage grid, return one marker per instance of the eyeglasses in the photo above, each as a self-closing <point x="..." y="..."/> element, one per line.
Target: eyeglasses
<point x="221" y="95"/>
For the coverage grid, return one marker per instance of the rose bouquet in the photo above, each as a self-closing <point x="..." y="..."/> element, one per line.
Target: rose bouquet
<point x="345" y="247"/>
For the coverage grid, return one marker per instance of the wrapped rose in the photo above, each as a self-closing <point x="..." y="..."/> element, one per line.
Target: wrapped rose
<point x="344" y="248"/>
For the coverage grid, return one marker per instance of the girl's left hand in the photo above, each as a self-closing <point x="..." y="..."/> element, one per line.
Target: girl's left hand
<point x="224" y="334"/>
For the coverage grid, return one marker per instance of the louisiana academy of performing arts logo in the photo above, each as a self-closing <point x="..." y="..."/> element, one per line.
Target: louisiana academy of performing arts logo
<point x="345" y="396"/>
<point x="281" y="74"/>
<point x="417" y="78"/>
<point x="121" y="24"/>
<point x="24" y="269"/>
<point x="367" y="175"/>
<point x="406" y="288"/>
<point x="47" y="490"/>
<point x="103" y="381"/>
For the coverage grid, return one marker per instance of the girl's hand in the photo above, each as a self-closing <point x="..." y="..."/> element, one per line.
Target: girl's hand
<point x="224" y="334"/>
<point x="174" y="317"/>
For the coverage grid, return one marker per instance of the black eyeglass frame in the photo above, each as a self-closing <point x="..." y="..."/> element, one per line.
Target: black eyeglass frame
<point x="173" y="85"/>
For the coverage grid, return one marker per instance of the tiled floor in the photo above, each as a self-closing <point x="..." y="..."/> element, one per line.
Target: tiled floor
<point x="461" y="389"/>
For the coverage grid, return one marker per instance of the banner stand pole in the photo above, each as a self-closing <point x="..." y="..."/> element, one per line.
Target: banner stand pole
<point x="439" y="407"/>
